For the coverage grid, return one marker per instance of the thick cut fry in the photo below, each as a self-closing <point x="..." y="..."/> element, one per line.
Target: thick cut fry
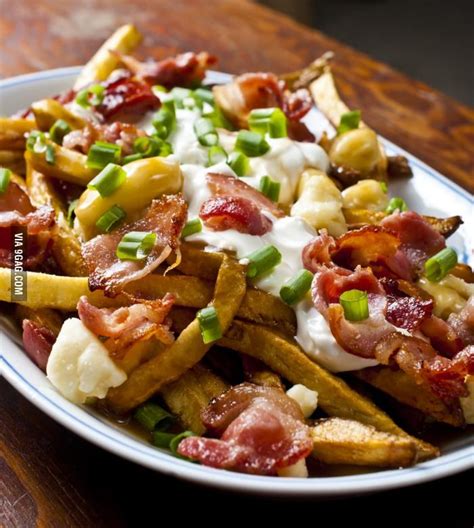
<point x="66" y="247"/>
<point x="398" y="385"/>
<point x="335" y="397"/>
<point x="101" y="65"/>
<point x="188" y="396"/>
<point x="13" y="160"/>
<point x="187" y="350"/>
<point x="257" y="372"/>
<point x="303" y="78"/>
<point x="46" y="317"/>
<point x="12" y="132"/>
<point x="69" y="165"/>
<point x="199" y="263"/>
<point x="48" y="111"/>
<point x="138" y="353"/>
<point x="338" y="441"/>
<point x="356" y="218"/>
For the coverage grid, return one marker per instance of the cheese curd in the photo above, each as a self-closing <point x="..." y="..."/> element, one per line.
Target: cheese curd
<point x="306" y="398"/>
<point x="450" y="294"/>
<point x="365" y="194"/>
<point x="297" y="470"/>
<point x="79" y="365"/>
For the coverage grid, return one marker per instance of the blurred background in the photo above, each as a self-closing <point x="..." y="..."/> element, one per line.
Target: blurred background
<point x="429" y="40"/>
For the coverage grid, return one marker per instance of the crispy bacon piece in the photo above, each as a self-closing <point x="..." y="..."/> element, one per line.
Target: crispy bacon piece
<point x="442" y="336"/>
<point x="126" y="99"/>
<point x="165" y="217"/>
<point x="297" y="104"/>
<point x="129" y="324"/>
<point x="408" y="312"/>
<point x="318" y="251"/>
<point x="463" y="322"/>
<point x="186" y="69"/>
<point x="37" y="342"/>
<point x="419" y="240"/>
<point x="262" y="430"/>
<point x="233" y="212"/>
<point x="18" y="213"/>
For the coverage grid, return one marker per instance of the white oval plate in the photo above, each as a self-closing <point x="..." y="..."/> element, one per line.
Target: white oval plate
<point x="427" y="192"/>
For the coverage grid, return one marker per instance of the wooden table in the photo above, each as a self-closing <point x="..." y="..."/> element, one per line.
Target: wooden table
<point x="49" y="476"/>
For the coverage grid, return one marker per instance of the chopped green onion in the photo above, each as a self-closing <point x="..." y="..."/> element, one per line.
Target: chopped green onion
<point x="108" y="180"/>
<point x="209" y="324"/>
<point x="192" y="226"/>
<point x="251" y="143"/>
<point x="131" y="157"/>
<point x="91" y="96"/>
<point x="164" y="120"/>
<point x="271" y="121"/>
<point x="270" y="188"/>
<point x="384" y="187"/>
<point x="205" y="132"/>
<point x="101" y="154"/>
<point x="216" y="155"/>
<point x="295" y="289"/>
<point x="59" y="130"/>
<point x="110" y="218"/>
<point x="439" y="265"/>
<point x="355" y="304"/>
<point x="5" y="175"/>
<point x="166" y="149"/>
<point x="349" y="121"/>
<point x="239" y="163"/>
<point x="178" y="439"/>
<point x="136" y="245"/>
<point x="36" y="142"/>
<point x="159" y="88"/>
<point x="396" y="204"/>
<point x="147" y="146"/>
<point x="50" y="155"/>
<point x="204" y="95"/>
<point x="71" y="211"/>
<point x="160" y="439"/>
<point x="263" y="260"/>
<point x="214" y="113"/>
<point x="179" y="94"/>
<point x="151" y="415"/>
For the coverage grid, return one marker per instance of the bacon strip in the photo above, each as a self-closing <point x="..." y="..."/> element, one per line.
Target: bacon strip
<point x="318" y="251"/>
<point x="263" y="431"/>
<point x="165" y="217"/>
<point x="463" y="322"/>
<point x="37" y="342"/>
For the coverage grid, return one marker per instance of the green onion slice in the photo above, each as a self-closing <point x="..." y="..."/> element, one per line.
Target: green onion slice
<point x="384" y="187"/>
<point x="349" y="121"/>
<point x="164" y="120"/>
<point x="268" y="120"/>
<point x="160" y="439"/>
<point x="71" y="211"/>
<point x="192" y="226"/>
<point x="205" y="132"/>
<point x="355" y="304"/>
<point x="131" y="157"/>
<point x="136" y="245"/>
<point x="295" y="289"/>
<point x="110" y="218"/>
<point x="262" y="261"/>
<point x="102" y="153"/>
<point x="216" y="155"/>
<point x="270" y="188"/>
<point x="179" y="95"/>
<point x="396" y="204"/>
<point x="204" y="95"/>
<point x="159" y="88"/>
<point x="147" y="146"/>
<point x="178" y="439"/>
<point x="50" y="155"/>
<point x="36" y="142"/>
<point x="209" y="324"/>
<point x="239" y="163"/>
<point x="59" y="130"/>
<point x="91" y="96"/>
<point x="439" y="265"/>
<point x="166" y="149"/>
<point x="251" y="143"/>
<point x="153" y="417"/>
<point x="5" y="175"/>
<point x="108" y="180"/>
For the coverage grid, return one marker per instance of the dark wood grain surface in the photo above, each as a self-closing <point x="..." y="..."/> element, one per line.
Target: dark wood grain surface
<point x="50" y="477"/>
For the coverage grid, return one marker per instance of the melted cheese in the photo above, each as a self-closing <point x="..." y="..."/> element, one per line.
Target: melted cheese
<point x="306" y="398"/>
<point x="450" y="294"/>
<point x="365" y="194"/>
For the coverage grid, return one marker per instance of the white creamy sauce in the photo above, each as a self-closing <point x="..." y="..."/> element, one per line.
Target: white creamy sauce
<point x="284" y="162"/>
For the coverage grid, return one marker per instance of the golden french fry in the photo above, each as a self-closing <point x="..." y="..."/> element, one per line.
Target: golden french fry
<point x="257" y="372"/>
<point x="187" y="350"/>
<point x="199" y="263"/>
<point x="66" y="246"/>
<point x="69" y="165"/>
<point x="100" y="66"/>
<point x="188" y="396"/>
<point x="46" y="317"/>
<point x="12" y="132"/>
<point x="398" y="385"/>
<point x="48" y="111"/>
<point x="13" y="160"/>
<point x="137" y="353"/>
<point x="339" y="441"/>
<point x="335" y="397"/>
<point x="304" y="77"/>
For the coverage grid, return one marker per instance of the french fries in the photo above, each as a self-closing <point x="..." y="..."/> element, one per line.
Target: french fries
<point x="101" y="65"/>
<point x="12" y="132"/>
<point x="51" y="319"/>
<point x="48" y="111"/>
<point x="304" y="77"/>
<point x="13" y="160"/>
<point x="187" y="350"/>
<point x="339" y="441"/>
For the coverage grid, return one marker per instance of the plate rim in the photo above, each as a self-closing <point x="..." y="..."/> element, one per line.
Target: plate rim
<point x="441" y="467"/>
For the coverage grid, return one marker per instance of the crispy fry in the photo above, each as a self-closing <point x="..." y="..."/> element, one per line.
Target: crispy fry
<point x="138" y="353"/>
<point x="257" y="372"/>
<point x="67" y="247"/>
<point x="304" y="77"/>
<point x="13" y="160"/>
<point x="199" y="263"/>
<point x="69" y="165"/>
<point x="187" y="350"/>
<point x="191" y="393"/>
<point x="12" y="132"/>
<point x="101" y="65"/>
<point x="338" y="441"/>
<point x="359" y="217"/>
<point x="398" y="385"/>
<point x="335" y="397"/>
<point x="51" y="319"/>
<point x="48" y="111"/>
